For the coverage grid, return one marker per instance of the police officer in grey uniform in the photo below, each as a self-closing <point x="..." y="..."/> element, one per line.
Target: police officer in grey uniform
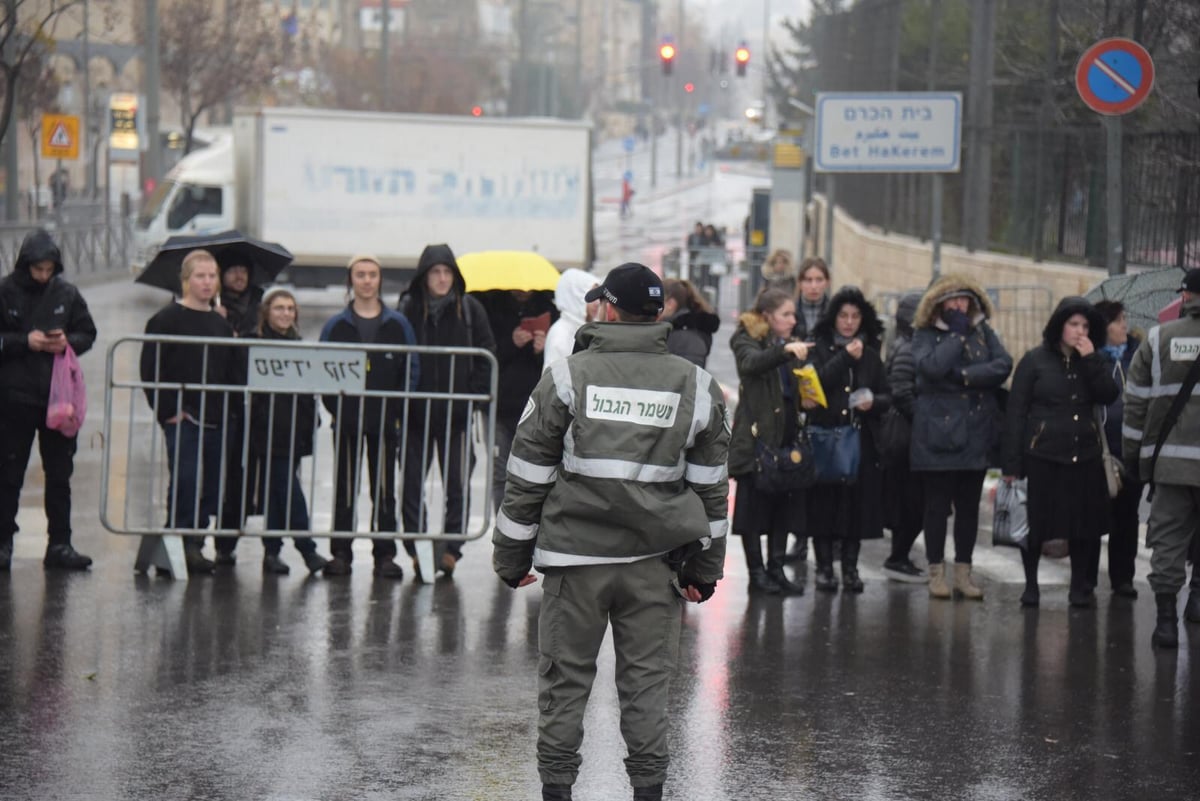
<point x="617" y="494"/>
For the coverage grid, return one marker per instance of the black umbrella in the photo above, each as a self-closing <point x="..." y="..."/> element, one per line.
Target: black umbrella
<point x="267" y="258"/>
<point x="1143" y="294"/>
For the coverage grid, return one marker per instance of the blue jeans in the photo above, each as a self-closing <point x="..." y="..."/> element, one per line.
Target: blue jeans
<point x="194" y="462"/>
<point x="282" y="514"/>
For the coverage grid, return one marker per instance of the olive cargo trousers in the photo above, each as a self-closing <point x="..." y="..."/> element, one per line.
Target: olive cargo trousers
<point x="578" y="603"/>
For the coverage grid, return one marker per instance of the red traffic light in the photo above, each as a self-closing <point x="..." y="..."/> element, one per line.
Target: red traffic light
<point x="666" y="51"/>
<point x="689" y="87"/>
<point x="476" y="111"/>
<point x="742" y="55"/>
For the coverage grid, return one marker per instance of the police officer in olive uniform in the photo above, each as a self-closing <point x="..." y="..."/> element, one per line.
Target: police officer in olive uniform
<point x="616" y="493"/>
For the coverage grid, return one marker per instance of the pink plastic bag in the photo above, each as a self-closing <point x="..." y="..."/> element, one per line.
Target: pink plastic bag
<point x="68" y="395"/>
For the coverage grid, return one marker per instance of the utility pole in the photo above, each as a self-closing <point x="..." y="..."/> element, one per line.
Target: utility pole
<point x="151" y="88"/>
<point x="935" y="217"/>
<point x="12" y="183"/>
<point x="384" y="36"/>
<point x="976" y="197"/>
<point x="89" y="174"/>
<point x="678" y="101"/>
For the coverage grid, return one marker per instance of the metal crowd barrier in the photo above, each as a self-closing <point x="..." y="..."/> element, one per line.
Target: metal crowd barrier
<point x="135" y="471"/>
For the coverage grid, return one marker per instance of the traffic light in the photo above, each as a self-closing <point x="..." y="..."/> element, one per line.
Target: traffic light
<point x="742" y="57"/>
<point x="689" y="87"/>
<point x="476" y="111"/>
<point x="666" y="54"/>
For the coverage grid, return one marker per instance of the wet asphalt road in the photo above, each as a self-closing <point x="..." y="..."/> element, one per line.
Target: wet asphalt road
<point x="241" y="686"/>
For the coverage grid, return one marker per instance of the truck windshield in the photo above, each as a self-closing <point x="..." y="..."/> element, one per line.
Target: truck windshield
<point x="154" y="203"/>
<point x="191" y="201"/>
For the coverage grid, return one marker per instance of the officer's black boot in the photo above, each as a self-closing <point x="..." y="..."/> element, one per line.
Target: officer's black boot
<point x="648" y="793"/>
<point x="556" y="792"/>
<point x="1166" y="630"/>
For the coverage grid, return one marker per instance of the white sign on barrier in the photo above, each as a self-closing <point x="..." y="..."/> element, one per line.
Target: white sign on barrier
<point x="888" y="132"/>
<point x="320" y="371"/>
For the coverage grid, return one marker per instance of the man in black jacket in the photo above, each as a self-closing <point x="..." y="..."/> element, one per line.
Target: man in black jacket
<point x="444" y="315"/>
<point x="40" y="315"/>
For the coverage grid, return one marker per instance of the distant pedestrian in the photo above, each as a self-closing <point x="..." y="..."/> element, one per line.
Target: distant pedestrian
<point x="365" y="425"/>
<point x="617" y="494"/>
<point x="778" y="272"/>
<point x="1162" y="429"/>
<point x="1051" y="438"/>
<point x="1120" y="345"/>
<point x="627" y="194"/>
<point x="573" y="312"/>
<point x="904" y="491"/>
<point x="41" y="314"/>
<point x="443" y="315"/>
<point x="961" y="365"/>
<point x="692" y="320"/>
<point x="193" y="420"/>
<point x="846" y="355"/>
<point x="768" y="411"/>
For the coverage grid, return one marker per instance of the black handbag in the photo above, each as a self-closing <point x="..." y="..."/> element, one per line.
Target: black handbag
<point x="837" y="452"/>
<point x="786" y="469"/>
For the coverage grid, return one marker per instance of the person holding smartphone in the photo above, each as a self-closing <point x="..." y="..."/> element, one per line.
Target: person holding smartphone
<point x="41" y="315"/>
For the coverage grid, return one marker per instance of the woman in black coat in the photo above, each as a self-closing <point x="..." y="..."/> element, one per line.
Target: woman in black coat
<point x="904" y="493"/>
<point x="1119" y="347"/>
<point x="281" y="434"/>
<point x="846" y="356"/>
<point x="1052" y="438"/>
<point x="812" y="297"/>
<point x="768" y="410"/>
<point x="692" y="321"/>
<point x="961" y="364"/>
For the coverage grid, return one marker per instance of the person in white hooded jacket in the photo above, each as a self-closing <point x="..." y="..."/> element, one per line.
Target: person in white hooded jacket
<point x="573" y="312"/>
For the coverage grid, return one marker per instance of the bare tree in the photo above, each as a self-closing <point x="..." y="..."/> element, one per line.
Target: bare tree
<point x="27" y="27"/>
<point x="213" y="55"/>
<point x="37" y="94"/>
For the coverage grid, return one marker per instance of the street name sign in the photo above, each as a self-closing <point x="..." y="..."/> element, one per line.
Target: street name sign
<point x="322" y="371"/>
<point x="888" y="132"/>
<point x="1114" y="76"/>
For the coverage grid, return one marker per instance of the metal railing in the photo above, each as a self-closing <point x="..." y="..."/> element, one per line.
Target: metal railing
<point x="144" y="458"/>
<point x="88" y="248"/>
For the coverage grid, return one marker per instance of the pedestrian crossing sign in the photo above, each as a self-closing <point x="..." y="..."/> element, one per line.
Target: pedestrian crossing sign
<point x="60" y="136"/>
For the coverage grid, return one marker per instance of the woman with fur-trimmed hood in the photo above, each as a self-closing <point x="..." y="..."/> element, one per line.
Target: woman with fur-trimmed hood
<point x="768" y="409"/>
<point x="846" y="355"/>
<point x="1052" y="438"/>
<point x="960" y="364"/>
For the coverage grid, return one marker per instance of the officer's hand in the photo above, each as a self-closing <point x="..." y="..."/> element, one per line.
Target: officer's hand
<point x="524" y="581"/>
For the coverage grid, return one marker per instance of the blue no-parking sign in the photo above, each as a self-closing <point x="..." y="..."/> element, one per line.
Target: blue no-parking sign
<point x="628" y="143"/>
<point x="1114" y="76"/>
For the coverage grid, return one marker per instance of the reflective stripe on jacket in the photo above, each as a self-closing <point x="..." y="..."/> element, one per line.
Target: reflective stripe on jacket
<point x="619" y="456"/>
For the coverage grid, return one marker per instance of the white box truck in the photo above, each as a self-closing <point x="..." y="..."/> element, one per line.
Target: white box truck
<point x="328" y="184"/>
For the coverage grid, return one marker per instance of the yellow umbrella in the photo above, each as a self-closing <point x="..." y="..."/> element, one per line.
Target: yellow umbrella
<point x="507" y="269"/>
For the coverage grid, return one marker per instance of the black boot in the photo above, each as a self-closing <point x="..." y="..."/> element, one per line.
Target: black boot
<point x="556" y="792"/>
<point x="1191" y="612"/>
<point x="5" y="555"/>
<point x="1166" y="630"/>
<point x="786" y="586"/>
<point x="798" y="553"/>
<point x="850" y="579"/>
<point x="825" y="580"/>
<point x="648" y="793"/>
<point x="63" y="557"/>
<point x="1030" y="555"/>
<point x="761" y="583"/>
